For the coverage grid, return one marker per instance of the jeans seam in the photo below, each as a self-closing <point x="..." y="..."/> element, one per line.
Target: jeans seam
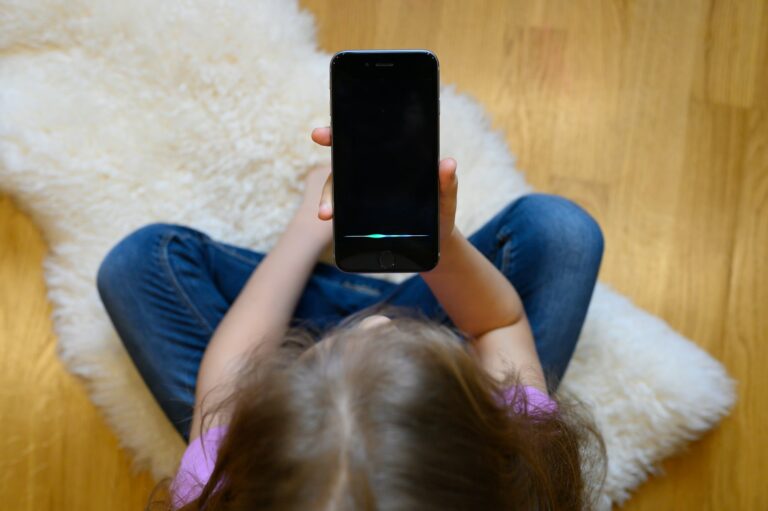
<point x="164" y="242"/>
<point x="218" y="246"/>
<point x="379" y="285"/>
<point x="503" y="242"/>
<point x="504" y="235"/>
<point x="506" y="250"/>
<point x="359" y="287"/>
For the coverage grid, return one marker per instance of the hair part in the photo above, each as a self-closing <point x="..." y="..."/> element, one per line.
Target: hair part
<point x="399" y="416"/>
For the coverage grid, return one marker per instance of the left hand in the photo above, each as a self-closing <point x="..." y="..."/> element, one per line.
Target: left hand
<point x="319" y="230"/>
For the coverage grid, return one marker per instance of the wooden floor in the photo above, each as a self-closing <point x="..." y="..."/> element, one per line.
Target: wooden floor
<point x="653" y="115"/>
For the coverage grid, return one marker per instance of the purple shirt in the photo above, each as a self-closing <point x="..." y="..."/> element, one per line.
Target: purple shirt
<point x="197" y="463"/>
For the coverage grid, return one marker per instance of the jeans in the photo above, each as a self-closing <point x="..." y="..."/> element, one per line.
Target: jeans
<point x="166" y="287"/>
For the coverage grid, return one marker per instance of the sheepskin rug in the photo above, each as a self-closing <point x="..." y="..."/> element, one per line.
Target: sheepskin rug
<point x="116" y="114"/>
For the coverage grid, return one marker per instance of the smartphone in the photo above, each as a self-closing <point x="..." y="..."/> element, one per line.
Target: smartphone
<point x="385" y="107"/>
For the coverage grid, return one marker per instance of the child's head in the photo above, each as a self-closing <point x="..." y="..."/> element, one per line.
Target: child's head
<point x="393" y="416"/>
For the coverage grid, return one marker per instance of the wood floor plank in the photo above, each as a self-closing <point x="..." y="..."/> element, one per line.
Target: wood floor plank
<point x="744" y="454"/>
<point x="56" y="451"/>
<point x="736" y="34"/>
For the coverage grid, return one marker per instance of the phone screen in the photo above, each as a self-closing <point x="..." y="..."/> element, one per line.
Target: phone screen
<point x="385" y="125"/>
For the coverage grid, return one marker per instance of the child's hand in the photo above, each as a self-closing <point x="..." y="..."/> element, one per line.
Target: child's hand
<point x="449" y="186"/>
<point x="322" y="136"/>
<point x="315" y="182"/>
<point x="318" y="230"/>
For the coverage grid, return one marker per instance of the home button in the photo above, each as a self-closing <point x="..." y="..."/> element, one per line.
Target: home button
<point x="386" y="259"/>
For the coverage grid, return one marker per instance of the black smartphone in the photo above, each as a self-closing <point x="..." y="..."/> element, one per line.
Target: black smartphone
<point x="385" y="107"/>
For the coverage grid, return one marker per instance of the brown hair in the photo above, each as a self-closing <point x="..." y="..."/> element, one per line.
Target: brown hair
<point x="396" y="417"/>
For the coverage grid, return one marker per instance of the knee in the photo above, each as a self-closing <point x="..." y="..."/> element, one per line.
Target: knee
<point x="562" y="227"/>
<point x="130" y="257"/>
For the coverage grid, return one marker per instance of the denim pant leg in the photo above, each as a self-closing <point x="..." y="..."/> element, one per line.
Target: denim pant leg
<point x="550" y="249"/>
<point x="166" y="288"/>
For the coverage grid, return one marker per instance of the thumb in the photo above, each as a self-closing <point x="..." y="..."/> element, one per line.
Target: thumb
<point x="449" y="181"/>
<point x="325" y="208"/>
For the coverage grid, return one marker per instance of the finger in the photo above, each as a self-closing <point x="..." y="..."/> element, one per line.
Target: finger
<point x="322" y="136"/>
<point x="448" y="186"/>
<point x="325" y="209"/>
<point x="448" y="178"/>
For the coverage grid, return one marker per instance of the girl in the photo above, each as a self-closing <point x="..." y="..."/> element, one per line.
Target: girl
<point x="301" y="387"/>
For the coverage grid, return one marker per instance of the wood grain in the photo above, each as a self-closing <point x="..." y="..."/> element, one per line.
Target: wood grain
<point x="56" y="451"/>
<point x="651" y="114"/>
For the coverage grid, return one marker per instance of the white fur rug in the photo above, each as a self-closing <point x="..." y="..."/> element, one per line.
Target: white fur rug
<point x="113" y="115"/>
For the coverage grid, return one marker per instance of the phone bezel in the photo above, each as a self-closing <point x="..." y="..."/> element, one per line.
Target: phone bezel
<point x="354" y="256"/>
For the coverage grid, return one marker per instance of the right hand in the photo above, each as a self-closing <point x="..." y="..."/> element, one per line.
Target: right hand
<point x="449" y="186"/>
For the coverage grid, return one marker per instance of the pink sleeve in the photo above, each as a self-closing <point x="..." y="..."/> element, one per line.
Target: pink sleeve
<point x="196" y="466"/>
<point x="537" y="401"/>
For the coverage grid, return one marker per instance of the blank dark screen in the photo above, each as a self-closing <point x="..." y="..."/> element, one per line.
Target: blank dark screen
<point x="385" y="138"/>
